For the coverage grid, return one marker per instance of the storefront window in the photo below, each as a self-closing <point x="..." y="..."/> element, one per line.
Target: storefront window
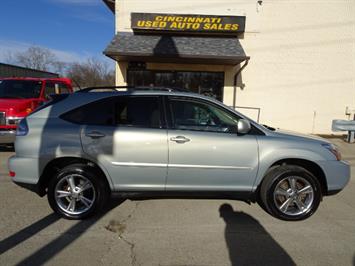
<point x="206" y="83"/>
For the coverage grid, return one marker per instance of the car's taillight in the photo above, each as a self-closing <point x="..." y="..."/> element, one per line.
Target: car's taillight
<point x="22" y="128"/>
<point x="12" y="174"/>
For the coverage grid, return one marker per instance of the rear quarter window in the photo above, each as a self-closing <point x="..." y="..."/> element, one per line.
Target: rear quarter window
<point x="96" y="113"/>
<point x="129" y="111"/>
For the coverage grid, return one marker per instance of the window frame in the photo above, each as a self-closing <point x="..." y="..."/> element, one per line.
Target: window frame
<point x="113" y="100"/>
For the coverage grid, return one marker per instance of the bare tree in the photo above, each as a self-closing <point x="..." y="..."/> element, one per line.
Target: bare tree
<point x="9" y="57"/>
<point x="92" y="72"/>
<point x="59" y="67"/>
<point x="37" y="58"/>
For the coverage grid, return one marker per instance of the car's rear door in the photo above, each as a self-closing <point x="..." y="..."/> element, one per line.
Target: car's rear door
<point x="127" y="135"/>
<point x="205" y="153"/>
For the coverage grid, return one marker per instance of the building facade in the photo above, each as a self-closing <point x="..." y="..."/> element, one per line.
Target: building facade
<point x="289" y="64"/>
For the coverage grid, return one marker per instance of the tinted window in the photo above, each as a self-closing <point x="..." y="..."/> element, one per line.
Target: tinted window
<point x="121" y="111"/>
<point x="97" y="113"/>
<point x="138" y="112"/>
<point x="193" y="115"/>
<point x="20" y="89"/>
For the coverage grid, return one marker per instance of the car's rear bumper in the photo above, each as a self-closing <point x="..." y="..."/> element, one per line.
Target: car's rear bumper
<point x="337" y="175"/>
<point x="7" y="136"/>
<point x="26" y="172"/>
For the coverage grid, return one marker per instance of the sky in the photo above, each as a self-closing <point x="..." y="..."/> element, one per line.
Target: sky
<point x="73" y="30"/>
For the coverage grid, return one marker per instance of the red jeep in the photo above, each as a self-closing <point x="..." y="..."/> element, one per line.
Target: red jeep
<point x="20" y="96"/>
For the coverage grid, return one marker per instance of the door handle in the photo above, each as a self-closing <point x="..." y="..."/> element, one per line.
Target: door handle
<point x="95" y="135"/>
<point x="180" y="139"/>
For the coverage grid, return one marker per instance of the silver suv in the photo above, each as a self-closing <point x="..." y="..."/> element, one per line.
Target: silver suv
<point x="79" y="149"/>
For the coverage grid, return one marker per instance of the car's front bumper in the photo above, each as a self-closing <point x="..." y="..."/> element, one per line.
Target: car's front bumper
<point x="337" y="175"/>
<point x="7" y="136"/>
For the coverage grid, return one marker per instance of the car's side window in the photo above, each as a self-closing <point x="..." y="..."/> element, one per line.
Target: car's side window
<point x="200" y="116"/>
<point x="138" y="111"/>
<point x="97" y="113"/>
<point x="132" y="111"/>
<point x="55" y="88"/>
<point x="49" y="89"/>
<point x="63" y="88"/>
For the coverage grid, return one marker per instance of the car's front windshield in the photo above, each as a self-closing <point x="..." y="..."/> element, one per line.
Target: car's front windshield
<point x="20" y="89"/>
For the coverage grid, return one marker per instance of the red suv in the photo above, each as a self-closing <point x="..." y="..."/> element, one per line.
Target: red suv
<point x="20" y="96"/>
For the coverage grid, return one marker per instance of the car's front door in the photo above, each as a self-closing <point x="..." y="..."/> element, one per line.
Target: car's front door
<point x="205" y="152"/>
<point x="130" y="142"/>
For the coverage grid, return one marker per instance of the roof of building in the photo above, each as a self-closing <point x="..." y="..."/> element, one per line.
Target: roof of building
<point x="165" y="48"/>
<point x="8" y="70"/>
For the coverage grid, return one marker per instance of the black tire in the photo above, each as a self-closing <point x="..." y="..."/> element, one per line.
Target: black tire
<point x="258" y="196"/>
<point x="276" y="177"/>
<point x="98" y="186"/>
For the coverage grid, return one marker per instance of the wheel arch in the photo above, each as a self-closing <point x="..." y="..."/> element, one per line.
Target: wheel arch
<point x="56" y="164"/>
<point x="310" y="166"/>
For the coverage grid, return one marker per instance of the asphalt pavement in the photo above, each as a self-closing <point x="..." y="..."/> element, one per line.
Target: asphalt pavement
<point x="175" y="231"/>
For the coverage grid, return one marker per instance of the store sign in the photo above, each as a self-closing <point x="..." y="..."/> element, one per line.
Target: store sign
<point x="187" y="23"/>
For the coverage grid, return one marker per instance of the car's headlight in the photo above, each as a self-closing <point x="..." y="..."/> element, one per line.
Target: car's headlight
<point x="333" y="149"/>
<point x="13" y="120"/>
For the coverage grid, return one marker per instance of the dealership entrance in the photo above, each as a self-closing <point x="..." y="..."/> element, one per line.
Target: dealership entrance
<point x="207" y="83"/>
<point x="195" y="52"/>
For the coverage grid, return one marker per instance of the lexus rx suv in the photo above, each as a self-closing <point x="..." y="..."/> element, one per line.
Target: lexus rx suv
<point x="81" y="148"/>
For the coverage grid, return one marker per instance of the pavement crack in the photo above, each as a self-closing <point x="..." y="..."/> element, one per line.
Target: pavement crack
<point x="119" y="227"/>
<point x="132" y="252"/>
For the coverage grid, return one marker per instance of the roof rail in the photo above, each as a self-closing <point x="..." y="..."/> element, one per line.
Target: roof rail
<point x="131" y="88"/>
<point x="104" y="88"/>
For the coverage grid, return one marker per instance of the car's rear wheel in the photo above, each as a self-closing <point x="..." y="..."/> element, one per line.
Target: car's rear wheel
<point x="290" y="193"/>
<point x="77" y="191"/>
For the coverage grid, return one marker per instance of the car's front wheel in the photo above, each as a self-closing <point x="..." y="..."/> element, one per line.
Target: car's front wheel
<point x="290" y="193"/>
<point x="77" y="191"/>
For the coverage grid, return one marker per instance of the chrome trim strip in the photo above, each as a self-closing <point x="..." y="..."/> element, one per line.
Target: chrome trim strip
<point x="15" y="117"/>
<point x="208" y="166"/>
<point x="192" y="166"/>
<point x="132" y="164"/>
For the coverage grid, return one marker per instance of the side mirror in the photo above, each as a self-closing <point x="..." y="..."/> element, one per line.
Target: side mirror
<point x="243" y="126"/>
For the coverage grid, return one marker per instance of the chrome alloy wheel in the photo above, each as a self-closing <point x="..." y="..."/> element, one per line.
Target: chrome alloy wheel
<point x="74" y="194"/>
<point x="293" y="195"/>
